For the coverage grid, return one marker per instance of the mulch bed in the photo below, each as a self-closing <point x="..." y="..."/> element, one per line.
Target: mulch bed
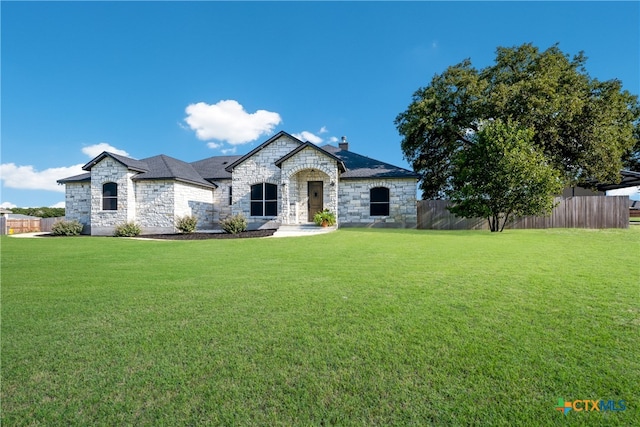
<point x="206" y="236"/>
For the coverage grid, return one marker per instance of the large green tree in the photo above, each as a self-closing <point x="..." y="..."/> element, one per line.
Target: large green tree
<point x="588" y="129"/>
<point x="502" y="175"/>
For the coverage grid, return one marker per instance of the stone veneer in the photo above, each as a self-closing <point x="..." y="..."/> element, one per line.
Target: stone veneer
<point x="155" y="204"/>
<point x="257" y="169"/>
<point x="354" y="202"/>
<point x="297" y="171"/>
<point x="161" y="202"/>
<point x="103" y="223"/>
<point x="77" y="203"/>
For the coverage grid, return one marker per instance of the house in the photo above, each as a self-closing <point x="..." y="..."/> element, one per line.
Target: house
<point x="281" y="181"/>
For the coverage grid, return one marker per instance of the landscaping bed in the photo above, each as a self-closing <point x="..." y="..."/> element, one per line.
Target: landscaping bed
<point x="206" y="236"/>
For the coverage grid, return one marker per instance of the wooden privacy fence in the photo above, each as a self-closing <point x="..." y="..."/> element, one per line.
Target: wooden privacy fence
<point x="16" y="226"/>
<point x="571" y="212"/>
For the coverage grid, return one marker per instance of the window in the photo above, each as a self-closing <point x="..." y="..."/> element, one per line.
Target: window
<point x="379" y="197"/>
<point x="110" y="196"/>
<point x="230" y="196"/>
<point x="264" y="199"/>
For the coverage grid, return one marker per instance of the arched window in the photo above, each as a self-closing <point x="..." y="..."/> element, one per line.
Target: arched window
<point x="379" y="201"/>
<point x="110" y="196"/>
<point x="264" y="199"/>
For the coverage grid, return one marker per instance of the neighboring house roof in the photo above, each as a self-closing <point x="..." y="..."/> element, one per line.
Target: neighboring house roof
<point x="213" y="168"/>
<point x="133" y="164"/>
<point x="260" y="147"/>
<point x="634" y="204"/>
<point x="629" y="179"/>
<point x="165" y="167"/>
<point x="364" y="167"/>
<point x="307" y="144"/>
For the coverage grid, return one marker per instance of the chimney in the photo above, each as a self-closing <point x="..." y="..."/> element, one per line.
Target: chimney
<point x="344" y="145"/>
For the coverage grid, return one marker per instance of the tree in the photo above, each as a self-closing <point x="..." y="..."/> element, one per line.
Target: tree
<point x="586" y="128"/>
<point x="43" y="212"/>
<point x="502" y="175"/>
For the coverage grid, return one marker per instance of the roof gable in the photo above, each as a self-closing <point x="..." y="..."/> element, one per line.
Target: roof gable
<point x="260" y="147"/>
<point x="308" y="144"/>
<point x="129" y="163"/>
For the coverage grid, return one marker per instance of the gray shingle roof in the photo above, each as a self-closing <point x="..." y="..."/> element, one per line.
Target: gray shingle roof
<point x="76" y="178"/>
<point x="165" y="167"/>
<point x="213" y="168"/>
<point x="204" y="172"/>
<point x="364" y="167"/>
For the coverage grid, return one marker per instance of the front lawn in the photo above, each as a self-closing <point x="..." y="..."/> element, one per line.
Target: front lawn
<point x="356" y="327"/>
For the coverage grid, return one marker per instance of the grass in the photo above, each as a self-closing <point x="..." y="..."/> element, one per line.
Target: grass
<point x="356" y="327"/>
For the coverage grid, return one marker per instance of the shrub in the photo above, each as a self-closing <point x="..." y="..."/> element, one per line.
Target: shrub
<point x="127" y="229"/>
<point x="325" y="217"/>
<point x="66" y="228"/>
<point x="234" y="224"/>
<point x="187" y="224"/>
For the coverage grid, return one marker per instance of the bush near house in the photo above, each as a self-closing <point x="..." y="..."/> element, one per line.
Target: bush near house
<point x="127" y="229"/>
<point x="187" y="224"/>
<point x="66" y="228"/>
<point x="234" y="224"/>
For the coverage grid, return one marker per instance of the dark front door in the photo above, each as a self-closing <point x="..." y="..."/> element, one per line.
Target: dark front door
<point x="315" y="198"/>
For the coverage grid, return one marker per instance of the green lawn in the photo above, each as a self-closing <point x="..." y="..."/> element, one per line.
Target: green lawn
<point x="356" y="327"/>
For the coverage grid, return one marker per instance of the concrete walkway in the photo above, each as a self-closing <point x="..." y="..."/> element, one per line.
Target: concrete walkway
<point x="37" y="234"/>
<point x="302" y="230"/>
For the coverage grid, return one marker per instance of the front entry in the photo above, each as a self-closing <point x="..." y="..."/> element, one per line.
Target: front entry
<point x="315" y="198"/>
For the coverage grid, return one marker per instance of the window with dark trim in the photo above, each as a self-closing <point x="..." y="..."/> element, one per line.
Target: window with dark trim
<point x="379" y="201"/>
<point x="230" y="196"/>
<point x="264" y="199"/>
<point x="110" y="196"/>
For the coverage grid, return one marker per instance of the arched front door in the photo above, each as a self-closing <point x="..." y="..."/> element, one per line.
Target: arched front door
<point x="315" y="198"/>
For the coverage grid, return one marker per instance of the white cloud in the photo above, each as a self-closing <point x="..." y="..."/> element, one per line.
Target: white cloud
<point x="27" y="178"/>
<point x="95" y="149"/>
<point x="333" y="139"/>
<point x="229" y="151"/>
<point x="7" y="205"/>
<point x="228" y="121"/>
<point x="214" y="145"/>
<point x="58" y="205"/>
<point x="308" y="136"/>
<point x="322" y="130"/>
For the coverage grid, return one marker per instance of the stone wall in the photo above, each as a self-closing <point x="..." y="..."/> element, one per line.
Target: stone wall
<point x="77" y="203"/>
<point x="354" y="203"/>
<point x="221" y="206"/>
<point x="155" y="202"/>
<point x="260" y="168"/>
<point x="195" y="200"/>
<point x="103" y="223"/>
<point x="308" y="165"/>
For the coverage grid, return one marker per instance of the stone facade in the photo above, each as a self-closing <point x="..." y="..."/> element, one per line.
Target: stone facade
<point x="104" y="222"/>
<point x="297" y="171"/>
<point x="77" y="201"/>
<point x="284" y="161"/>
<point x="355" y="201"/>
<point x="257" y="169"/>
<point x="194" y="200"/>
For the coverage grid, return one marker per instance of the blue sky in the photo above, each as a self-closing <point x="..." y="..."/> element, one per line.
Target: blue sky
<point x="198" y="79"/>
